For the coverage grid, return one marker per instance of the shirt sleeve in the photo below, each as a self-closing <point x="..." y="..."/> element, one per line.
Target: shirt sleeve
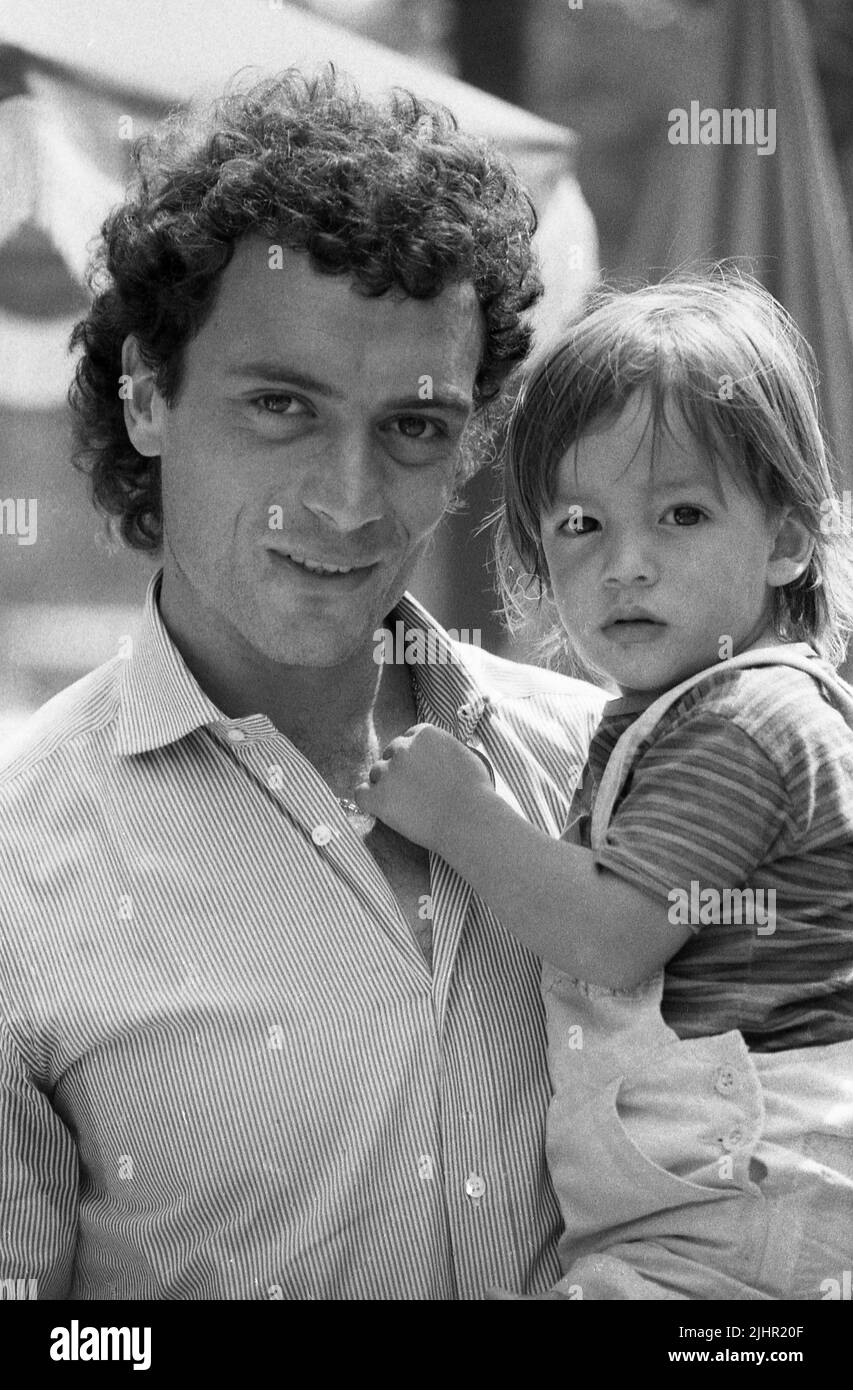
<point x="705" y="802"/>
<point x="38" y="1186"/>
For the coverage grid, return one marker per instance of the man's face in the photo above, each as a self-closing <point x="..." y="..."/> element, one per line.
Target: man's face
<point x="311" y="452"/>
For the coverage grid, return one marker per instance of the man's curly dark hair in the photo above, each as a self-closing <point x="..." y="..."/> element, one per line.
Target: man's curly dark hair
<point x="390" y="194"/>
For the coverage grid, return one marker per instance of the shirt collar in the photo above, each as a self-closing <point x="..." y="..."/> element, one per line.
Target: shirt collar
<point x="448" y="691"/>
<point x="160" y="701"/>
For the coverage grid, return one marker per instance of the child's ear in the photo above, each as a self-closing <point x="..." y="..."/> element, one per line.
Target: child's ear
<point x="144" y="407"/>
<point x="792" y="550"/>
<point x="542" y="566"/>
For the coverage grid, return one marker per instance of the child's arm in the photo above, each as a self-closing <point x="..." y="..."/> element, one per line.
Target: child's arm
<point x="584" y="920"/>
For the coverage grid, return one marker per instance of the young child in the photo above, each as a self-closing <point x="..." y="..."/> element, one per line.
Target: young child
<point x="668" y="487"/>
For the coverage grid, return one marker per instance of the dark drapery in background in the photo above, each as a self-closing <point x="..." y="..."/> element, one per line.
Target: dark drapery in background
<point x="783" y="213"/>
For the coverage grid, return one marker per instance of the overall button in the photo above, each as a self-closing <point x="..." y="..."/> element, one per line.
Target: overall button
<point x="733" y="1140"/>
<point x="475" y="1187"/>
<point x="235" y="736"/>
<point x="725" y="1080"/>
<point x="321" y="834"/>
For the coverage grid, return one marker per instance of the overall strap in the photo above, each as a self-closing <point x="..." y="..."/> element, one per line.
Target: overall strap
<point x="623" y="755"/>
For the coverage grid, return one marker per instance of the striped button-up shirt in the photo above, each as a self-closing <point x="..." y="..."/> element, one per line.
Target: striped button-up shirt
<point x="226" y="1069"/>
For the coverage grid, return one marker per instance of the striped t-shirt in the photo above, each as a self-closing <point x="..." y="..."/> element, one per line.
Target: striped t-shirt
<point x="747" y="780"/>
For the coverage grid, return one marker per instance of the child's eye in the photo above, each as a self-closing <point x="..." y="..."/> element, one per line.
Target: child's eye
<point x="578" y="523"/>
<point x="684" y="515"/>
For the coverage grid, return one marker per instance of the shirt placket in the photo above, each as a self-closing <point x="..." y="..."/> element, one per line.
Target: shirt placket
<point x="288" y="777"/>
<point x="450" y="894"/>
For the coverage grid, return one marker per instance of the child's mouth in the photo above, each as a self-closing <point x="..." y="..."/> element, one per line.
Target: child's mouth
<point x="627" y="631"/>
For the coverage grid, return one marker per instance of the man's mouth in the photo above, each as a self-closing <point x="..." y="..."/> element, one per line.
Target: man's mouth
<point x="322" y="569"/>
<point x="318" y="566"/>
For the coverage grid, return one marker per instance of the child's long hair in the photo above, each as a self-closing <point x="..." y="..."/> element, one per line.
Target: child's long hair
<point x="719" y="351"/>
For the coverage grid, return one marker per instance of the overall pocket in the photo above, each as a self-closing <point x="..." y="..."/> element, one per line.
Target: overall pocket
<point x="663" y="1154"/>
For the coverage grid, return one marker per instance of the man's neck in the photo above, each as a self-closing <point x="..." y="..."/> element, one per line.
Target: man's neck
<point x="329" y="712"/>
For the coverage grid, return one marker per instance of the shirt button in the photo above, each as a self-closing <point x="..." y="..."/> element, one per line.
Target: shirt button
<point x="475" y="1186"/>
<point x="321" y="834"/>
<point x="724" y="1080"/>
<point x="235" y="736"/>
<point x="733" y="1140"/>
<point x="464" y="711"/>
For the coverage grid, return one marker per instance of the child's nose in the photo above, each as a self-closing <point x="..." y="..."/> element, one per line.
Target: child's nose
<point x="630" y="559"/>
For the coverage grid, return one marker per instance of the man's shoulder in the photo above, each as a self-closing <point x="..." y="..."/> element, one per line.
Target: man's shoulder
<point x="80" y="711"/>
<point x="502" y="679"/>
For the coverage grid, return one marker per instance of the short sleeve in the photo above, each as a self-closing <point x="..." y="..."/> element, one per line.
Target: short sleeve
<point x="704" y="802"/>
<point x="38" y="1186"/>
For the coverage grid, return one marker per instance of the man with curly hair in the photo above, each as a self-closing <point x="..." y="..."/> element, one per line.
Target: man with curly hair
<point x="254" y="1044"/>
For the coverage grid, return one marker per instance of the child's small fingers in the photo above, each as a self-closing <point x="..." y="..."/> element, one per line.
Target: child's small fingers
<point x="363" y="796"/>
<point x="402" y="741"/>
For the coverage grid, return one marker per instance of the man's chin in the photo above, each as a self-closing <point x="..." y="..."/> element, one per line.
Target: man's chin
<point x="312" y="628"/>
<point x="322" y="641"/>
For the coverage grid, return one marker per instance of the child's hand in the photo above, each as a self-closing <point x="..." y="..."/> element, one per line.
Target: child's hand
<point x="421" y="784"/>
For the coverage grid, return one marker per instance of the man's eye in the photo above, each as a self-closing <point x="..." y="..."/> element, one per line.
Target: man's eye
<point x="684" y="515"/>
<point x="276" y="403"/>
<point x="418" y="427"/>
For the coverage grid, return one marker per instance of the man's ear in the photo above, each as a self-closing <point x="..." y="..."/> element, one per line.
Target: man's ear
<point x="792" y="551"/>
<point x="144" y="407"/>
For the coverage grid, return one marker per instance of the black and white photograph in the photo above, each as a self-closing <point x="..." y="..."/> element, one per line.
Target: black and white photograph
<point x="426" y="681"/>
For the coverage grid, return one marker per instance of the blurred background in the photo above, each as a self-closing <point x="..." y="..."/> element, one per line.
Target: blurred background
<point x="578" y="93"/>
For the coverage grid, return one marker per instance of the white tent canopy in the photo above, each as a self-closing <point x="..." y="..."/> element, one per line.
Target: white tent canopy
<point x="173" y="49"/>
<point x="96" y="75"/>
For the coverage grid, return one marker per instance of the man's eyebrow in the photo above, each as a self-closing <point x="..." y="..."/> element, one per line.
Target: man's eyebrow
<point x="454" y="401"/>
<point x="280" y="372"/>
<point x="457" y="402"/>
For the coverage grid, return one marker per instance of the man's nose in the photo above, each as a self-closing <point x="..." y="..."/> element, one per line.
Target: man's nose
<point x="345" y="486"/>
<point x="631" y="559"/>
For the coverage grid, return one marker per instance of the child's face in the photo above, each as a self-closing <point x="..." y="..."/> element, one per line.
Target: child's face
<point x="667" y="569"/>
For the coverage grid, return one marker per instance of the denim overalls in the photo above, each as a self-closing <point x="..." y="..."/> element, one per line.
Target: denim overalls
<point x="694" y="1169"/>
